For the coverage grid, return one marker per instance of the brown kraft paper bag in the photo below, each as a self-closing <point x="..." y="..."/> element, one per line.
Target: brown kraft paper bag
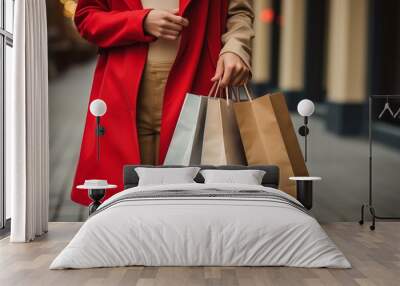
<point x="268" y="137"/>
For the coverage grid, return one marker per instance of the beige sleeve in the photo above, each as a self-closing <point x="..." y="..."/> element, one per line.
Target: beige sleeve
<point x="239" y="30"/>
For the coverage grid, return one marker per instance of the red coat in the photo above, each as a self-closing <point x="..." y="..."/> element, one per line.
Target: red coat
<point x="116" y="27"/>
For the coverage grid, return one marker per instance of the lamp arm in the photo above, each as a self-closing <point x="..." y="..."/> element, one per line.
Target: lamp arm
<point x="100" y="131"/>
<point x="97" y="124"/>
<point x="305" y="137"/>
<point x="305" y="108"/>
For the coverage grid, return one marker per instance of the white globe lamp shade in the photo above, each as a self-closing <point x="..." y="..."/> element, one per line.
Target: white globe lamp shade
<point x="98" y="107"/>
<point x="305" y="108"/>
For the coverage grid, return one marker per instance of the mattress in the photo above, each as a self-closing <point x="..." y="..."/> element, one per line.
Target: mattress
<point x="201" y="225"/>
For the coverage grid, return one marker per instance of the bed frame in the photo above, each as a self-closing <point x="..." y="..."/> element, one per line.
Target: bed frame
<point x="271" y="177"/>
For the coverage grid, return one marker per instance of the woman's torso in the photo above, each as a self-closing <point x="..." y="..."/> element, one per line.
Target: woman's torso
<point x="162" y="51"/>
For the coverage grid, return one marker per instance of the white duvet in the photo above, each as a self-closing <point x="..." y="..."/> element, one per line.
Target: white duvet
<point x="192" y="231"/>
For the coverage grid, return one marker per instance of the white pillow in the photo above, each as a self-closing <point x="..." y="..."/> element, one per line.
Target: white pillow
<point x="165" y="176"/>
<point x="247" y="177"/>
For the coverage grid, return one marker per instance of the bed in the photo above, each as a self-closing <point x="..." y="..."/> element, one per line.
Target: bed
<point x="198" y="224"/>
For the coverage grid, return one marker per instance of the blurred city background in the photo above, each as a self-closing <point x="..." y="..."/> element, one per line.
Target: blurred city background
<point x="334" y="52"/>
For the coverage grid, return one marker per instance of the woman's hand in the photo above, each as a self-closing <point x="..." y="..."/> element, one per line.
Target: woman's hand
<point x="164" y="24"/>
<point x="231" y="70"/>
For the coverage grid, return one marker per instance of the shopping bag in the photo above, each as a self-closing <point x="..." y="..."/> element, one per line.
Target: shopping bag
<point x="221" y="143"/>
<point x="186" y="144"/>
<point x="268" y="136"/>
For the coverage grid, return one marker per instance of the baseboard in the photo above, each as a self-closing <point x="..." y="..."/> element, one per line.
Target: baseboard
<point x="346" y="118"/>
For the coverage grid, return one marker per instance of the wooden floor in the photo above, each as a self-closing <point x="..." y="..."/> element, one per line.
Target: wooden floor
<point x="375" y="257"/>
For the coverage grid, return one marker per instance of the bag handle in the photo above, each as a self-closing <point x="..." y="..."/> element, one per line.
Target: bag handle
<point x="235" y="96"/>
<point x="235" y="93"/>
<point x="214" y="89"/>
<point x="246" y="91"/>
<point x="227" y="95"/>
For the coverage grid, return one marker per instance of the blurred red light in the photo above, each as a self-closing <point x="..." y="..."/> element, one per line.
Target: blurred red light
<point x="267" y="15"/>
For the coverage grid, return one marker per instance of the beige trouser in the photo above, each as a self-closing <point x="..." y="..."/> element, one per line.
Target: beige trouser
<point x="149" y="110"/>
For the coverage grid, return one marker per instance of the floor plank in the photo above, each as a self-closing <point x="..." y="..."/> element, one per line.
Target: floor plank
<point x="375" y="257"/>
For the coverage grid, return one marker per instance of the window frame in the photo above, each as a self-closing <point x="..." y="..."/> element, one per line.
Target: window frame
<point x="6" y="39"/>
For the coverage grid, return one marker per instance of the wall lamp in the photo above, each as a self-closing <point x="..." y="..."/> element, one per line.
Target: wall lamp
<point x="98" y="108"/>
<point x="305" y="108"/>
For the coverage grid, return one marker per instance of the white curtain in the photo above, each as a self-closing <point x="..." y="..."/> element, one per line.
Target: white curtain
<point x="27" y="142"/>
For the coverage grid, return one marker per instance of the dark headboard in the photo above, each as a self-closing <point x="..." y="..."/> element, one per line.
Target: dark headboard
<point x="271" y="177"/>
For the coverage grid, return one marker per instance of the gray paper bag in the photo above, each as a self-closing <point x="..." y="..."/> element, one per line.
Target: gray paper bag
<point x="186" y="144"/>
